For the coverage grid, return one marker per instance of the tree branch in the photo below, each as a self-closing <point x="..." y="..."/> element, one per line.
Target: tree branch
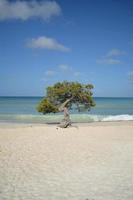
<point x="64" y="104"/>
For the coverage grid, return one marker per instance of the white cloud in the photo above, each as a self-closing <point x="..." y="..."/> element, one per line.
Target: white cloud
<point x="25" y="10"/>
<point x="131" y="43"/>
<point x="115" y="52"/>
<point x="69" y="70"/>
<point x="49" y="73"/>
<point x="46" y="43"/>
<point x="108" y="61"/>
<point x="77" y="74"/>
<point x="130" y="74"/>
<point x="109" y="57"/>
<point x="64" y="67"/>
<point x="64" y="71"/>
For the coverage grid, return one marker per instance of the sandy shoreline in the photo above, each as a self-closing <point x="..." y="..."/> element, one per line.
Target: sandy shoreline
<point x="90" y="161"/>
<point x="89" y="124"/>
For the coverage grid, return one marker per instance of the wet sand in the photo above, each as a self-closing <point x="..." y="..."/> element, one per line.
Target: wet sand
<point x="86" y="162"/>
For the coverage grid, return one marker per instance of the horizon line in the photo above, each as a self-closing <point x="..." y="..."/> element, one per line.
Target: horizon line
<point x="92" y="96"/>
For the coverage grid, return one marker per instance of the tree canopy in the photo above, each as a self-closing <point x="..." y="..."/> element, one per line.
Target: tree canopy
<point x="70" y="92"/>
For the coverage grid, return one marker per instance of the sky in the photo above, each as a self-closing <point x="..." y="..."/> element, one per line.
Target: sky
<point x="43" y="42"/>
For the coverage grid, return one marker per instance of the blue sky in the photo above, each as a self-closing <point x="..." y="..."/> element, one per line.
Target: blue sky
<point x="42" y="42"/>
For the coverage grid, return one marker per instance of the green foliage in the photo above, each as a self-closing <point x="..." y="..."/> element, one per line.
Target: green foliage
<point x="77" y="93"/>
<point x="46" y="106"/>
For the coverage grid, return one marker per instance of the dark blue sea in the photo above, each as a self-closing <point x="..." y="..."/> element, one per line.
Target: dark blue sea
<point x="23" y="110"/>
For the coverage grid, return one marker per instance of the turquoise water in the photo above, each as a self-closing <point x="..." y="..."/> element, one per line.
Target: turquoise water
<point x="23" y="110"/>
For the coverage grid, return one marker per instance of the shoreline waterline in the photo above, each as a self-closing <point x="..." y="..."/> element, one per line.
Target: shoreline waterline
<point x="83" y="124"/>
<point x="75" y="118"/>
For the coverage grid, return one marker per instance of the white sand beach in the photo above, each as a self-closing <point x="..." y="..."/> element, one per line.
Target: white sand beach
<point x="89" y="162"/>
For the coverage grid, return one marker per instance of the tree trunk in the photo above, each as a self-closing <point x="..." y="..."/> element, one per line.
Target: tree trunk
<point x="66" y="120"/>
<point x="63" y="105"/>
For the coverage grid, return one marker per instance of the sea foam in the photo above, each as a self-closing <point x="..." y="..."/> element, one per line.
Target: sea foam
<point x="118" y="118"/>
<point x="55" y="118"/>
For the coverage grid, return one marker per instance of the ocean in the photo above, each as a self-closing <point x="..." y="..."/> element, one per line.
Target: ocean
<point x="23" y="110"/>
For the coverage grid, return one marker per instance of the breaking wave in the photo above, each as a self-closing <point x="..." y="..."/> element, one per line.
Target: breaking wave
<point x="77" y="118"/>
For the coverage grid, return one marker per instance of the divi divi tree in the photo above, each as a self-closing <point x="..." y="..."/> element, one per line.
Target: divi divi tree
<point x="63" y="95"/>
